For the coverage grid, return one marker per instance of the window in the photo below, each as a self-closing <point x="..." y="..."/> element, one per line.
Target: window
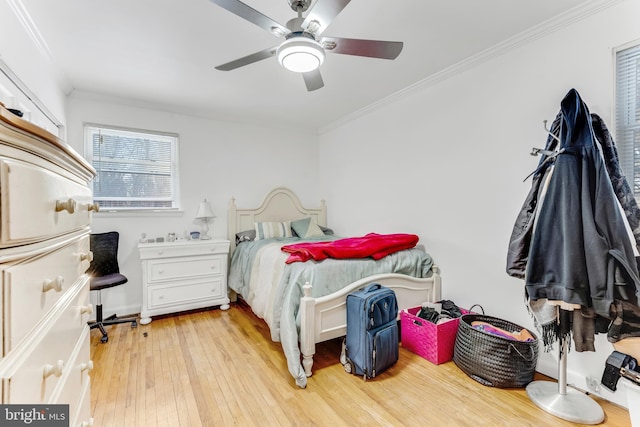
<point x="136" y="170"/>
<point x="628" y="113"/>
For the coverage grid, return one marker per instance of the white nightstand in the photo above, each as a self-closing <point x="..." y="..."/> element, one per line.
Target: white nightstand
<point x="183" y="275"/>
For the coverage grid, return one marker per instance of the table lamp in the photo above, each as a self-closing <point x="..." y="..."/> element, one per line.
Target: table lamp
<point x="203" y="217"/>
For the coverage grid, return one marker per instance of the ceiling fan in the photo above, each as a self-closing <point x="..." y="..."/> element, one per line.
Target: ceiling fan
<point x="303" y="49"/>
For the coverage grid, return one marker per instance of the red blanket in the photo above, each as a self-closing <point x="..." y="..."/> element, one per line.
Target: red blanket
<point x="371" y="245"/>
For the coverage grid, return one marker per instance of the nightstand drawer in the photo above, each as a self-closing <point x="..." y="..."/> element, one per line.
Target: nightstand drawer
<point x="185" y="293"/>
<point x="172" y="250"/>
<point x="185" y="267"/>
<point x="38" y="203"/>
<point x="32" y="288"/>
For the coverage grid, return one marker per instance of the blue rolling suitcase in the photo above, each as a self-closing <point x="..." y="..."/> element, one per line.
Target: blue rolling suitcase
<point x="371" y="344"/>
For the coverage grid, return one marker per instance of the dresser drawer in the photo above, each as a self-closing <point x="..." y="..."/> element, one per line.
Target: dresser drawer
<point x="184" y="293"/>
<point x="190" y="248"/>
<point x="83" y="416"/>
<point x="35" y="374"/>
<point x="33" y="287"/>
<point x="184" y="268"/>
<point x="77" y="376"/>
<point x="30" y="203"/>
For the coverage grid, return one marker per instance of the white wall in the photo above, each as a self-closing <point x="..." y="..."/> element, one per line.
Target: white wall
<point x="447" y="161"/>
<point x="31" y="65"/>
<point x="217" y="161"/>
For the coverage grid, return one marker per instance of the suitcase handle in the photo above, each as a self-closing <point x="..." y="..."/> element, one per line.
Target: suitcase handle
<point x="372" y="287"/>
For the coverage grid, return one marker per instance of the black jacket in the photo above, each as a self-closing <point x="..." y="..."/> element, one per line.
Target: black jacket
<point x="573" y="244"/>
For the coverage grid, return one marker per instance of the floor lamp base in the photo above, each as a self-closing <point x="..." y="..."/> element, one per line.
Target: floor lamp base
<point x="573" y="406"/>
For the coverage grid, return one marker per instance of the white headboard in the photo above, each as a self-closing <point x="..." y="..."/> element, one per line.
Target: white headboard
<point x="281" y="204"/>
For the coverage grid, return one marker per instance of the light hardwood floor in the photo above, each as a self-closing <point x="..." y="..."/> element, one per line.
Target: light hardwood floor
<point x="220" y="368"/>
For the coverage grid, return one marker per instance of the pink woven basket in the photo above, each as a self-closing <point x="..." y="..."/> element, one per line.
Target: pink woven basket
<point x="434" y="342"/>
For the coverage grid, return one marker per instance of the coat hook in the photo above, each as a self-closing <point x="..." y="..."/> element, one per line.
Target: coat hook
<point x="544" y="122"/>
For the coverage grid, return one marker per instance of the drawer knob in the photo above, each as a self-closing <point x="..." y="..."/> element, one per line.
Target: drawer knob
<point x="93" y="207"/>
<point x="86" y="256"/>
<point x="55" y="284"/>
<point x="87" y="366"/>
<point x="55" y="370"/>
<point x="86" y="309"/>
<point x="88" y="423"/>
<point x="68" y="205"/>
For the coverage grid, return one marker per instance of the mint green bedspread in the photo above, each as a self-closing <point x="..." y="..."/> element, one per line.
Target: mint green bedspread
<point x="273" y="289"/>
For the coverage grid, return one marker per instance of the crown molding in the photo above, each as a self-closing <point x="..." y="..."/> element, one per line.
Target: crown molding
<point x="571" y="16"/>
<point x="38" y="41"/>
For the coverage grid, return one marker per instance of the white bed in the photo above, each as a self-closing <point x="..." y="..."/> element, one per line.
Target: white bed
<point x="324" y="318"/>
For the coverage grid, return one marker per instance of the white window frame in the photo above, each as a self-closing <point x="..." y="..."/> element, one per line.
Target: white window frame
<point x="172" y="201"/>
<point x="627" y="116"/>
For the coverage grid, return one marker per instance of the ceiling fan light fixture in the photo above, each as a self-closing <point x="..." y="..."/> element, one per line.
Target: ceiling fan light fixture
<point x="300" y="54"/>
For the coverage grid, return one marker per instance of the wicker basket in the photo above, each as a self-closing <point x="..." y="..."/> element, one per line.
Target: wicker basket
<point x="493" y="360"/>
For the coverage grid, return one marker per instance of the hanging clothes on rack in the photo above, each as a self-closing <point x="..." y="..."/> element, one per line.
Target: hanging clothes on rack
<point x="573" y="241"/>
<point x="620" y="185"/>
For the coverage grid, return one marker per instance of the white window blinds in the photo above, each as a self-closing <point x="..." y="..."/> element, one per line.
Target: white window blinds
<point x="135" y="169"/>
<point x="628" y="113"/>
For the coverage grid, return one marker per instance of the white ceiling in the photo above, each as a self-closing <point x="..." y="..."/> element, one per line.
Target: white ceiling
<point x="162" y="53"/>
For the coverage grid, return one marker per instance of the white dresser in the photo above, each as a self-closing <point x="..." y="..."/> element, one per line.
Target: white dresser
<point x="183" y="275"/>
<point x="45" y="215"/>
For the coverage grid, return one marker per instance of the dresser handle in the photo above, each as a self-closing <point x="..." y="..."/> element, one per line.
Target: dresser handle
<point x="86" y="256"/>
<point x="88" y="366"/>
<point x="69" y="206"/>
<point x="53" y="370"/>
<point x="87" y="423"/>
<point x="55" y="284"/>
<point x="86" y="309"/>
<point x="160" y="252"/>
<point x="93" y="207"/>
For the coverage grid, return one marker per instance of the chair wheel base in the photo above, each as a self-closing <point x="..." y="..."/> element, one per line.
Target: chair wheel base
<point x="104" y="339"/>
<point x="134" y="324"/>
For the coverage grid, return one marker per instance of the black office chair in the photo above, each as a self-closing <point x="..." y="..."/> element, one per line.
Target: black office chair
<point x="105" y="273"/>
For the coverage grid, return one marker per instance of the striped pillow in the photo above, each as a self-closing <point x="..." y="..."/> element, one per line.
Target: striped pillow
<point x="271" y="229"/>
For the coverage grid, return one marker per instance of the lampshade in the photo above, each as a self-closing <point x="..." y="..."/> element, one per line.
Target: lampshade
<point x="204" y="211"/>
<point x="204" y="216"/>
<point x="300" y="54"/>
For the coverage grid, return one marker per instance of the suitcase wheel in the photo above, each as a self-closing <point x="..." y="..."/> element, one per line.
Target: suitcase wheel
<point x="343" y="353"/>
<point x="348" y="367"/>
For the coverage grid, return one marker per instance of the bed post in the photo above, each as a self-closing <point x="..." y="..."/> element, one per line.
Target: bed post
<point x="437" y="284"/>
<point x="307" y="329"/>
<point x="231" y="224"/>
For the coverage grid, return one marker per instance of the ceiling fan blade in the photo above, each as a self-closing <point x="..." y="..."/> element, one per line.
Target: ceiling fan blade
<point x="321" y="15"/>
<point x="313" y="80"/>
<point x="250" y="14"/>
<point x="249" y="59"/>
<point x="358" y="47"/>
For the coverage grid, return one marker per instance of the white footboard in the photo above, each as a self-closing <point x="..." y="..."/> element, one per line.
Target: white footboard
<point x="325" y="318"/>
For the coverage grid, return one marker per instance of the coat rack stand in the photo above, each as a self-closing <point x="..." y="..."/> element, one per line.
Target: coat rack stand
<point x="568" y="404"/>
